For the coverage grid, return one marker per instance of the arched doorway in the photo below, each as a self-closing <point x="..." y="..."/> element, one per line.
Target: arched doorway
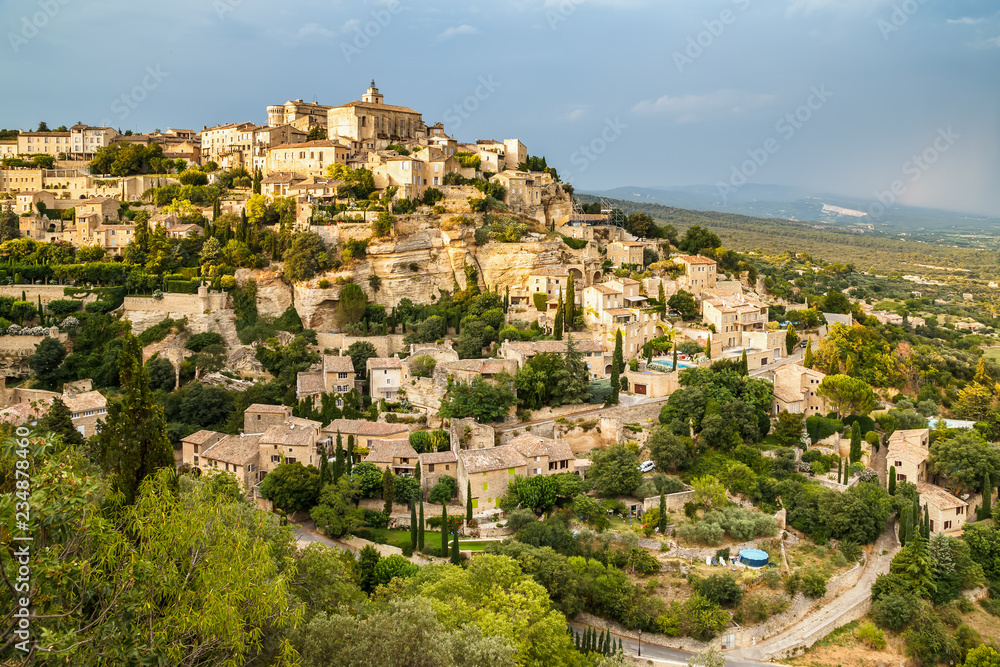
<point x="597" y="277"/>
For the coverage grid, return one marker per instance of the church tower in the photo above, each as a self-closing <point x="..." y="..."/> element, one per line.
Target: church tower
<point x="372" y="96"/>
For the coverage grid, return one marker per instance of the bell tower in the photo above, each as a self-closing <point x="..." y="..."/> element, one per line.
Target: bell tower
<point x="372" y="96"/>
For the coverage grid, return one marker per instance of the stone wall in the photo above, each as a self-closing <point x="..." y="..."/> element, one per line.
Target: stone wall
<point x="15" y="350"/>
<point x="424" y="393"/>
<point x="386" y="346"/>
<point x="274" y="296"/>
<point x="674" y="501"/>
<point x="177" y="304"/>
<point x="481" y="436"/>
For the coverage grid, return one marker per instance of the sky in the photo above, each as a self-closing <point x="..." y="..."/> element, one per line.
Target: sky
<point x="896" y="100"/>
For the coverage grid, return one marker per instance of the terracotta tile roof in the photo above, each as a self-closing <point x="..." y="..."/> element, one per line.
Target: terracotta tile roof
<point x="604" y="289"/>
<point x="203" y="436"/>
<point x="619" y="312"/>
<point x="486" y="460"/>
<point x="382" y="363"/>
<point x="266" y="409"/>
<point x="310" y="382"/>
<point x="907" y="451"/>
<point x="549" y="271"/>
<point x="532" y="445"/>
<point x="333" y="364"/>
<point x="559" y="450"/>
<point x="294" y="432"/>
<point x="362" y="427"/>
<point x="914" y="436"/>
<point x="88" y="400"/>
<point x="377" y="107"/>
<point x="283" y="176"/>
<point x="238" y="449"/>
<point x="693" y="259"/>
<point x="439" y="457"/>
<point x="22" y="413"/>
<point x="940" y="498"/>
<point x="384" y="451"/>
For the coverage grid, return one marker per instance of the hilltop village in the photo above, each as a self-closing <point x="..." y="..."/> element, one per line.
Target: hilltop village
<point x="348" y="317"/>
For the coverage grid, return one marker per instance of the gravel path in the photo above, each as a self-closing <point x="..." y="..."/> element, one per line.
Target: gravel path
<point x="821" y="622"/>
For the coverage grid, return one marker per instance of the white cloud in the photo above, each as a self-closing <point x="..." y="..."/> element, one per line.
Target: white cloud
<point x="464" y="29"/>
<point x="966" y="20"/>
<point x="351" y="26"/>
<point x="692" y="108"/>
<point x="315" y="30"/>
<point x="577" y="113"/>
<point x="993" y="41"/>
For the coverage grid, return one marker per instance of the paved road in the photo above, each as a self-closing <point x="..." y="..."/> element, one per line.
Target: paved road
<point x="304" y="533"/>
<point x="665" y="655"/>
<point x="827" y="618"/>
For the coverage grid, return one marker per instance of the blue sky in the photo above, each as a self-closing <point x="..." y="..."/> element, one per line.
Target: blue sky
<point x="832" y="95"/>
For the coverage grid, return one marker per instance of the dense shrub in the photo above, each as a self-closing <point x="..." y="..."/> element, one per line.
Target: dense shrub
<point x="758" y="607"/>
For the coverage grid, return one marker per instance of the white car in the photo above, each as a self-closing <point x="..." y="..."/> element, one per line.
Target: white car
<point x="646" y="466"/>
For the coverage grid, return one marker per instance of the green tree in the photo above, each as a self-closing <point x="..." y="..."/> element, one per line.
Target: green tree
<point x="352" y="304"/>
<point x="848" y="395"/>
<point x="557" y="325"/>
<point x="360" y="352"/>
<point x="982" y="656"/>
<point x="456" y="556"/>
<point x="617" y="366"/>
<point x="669" y="451"/>
<point x="131" y="441"/>
<point x="305" y="257"/>
<point x="791" y="339"/>
<point x="335" y="513"/>
<point x="614" y="471"/>
<point x="684" y="303"/>
<point x="570" y="317"/>
<point x="809" y="358"/>
<point x="892" y="480"/>
<point x="46" y="362"/>
<point x="788" y="431"/>
<point x="388" y="490"/>
<point x="709" y="492"/>
<point x="292" y="487"/>
<point x="965" y="459"/>
<point x="420" y="534"/>
<point x="444" y="529"/>
<point x="59" y="421"/>
<point x="413" y="526"/>
<point x="468" y="502"/>
<point x="486" y="401"/>
<point x="855" y="442"/>
<point x="663" y="513"/>
<point x="10" y="227"/>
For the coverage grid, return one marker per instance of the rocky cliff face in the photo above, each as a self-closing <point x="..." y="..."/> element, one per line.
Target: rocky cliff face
<point x="274" y="296"/>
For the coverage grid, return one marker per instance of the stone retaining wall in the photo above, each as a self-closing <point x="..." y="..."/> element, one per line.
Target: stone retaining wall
<point x="385" y="346"/>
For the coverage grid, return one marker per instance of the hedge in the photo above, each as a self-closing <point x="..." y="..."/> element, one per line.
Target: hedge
<point x="183" y="286"/>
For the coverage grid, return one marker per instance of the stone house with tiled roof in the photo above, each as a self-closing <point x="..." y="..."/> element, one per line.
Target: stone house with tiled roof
<point x="545" y="456"/>
<point x="489" y="472"/>
<point x="258" y="417"/>
<point x="385" y="378"/>
<point x="194" y="445"/>
<point x="395" y="455"/>
<point x="335" y="377"/>
<point x="374" y="123"/>
<point x="435" y="465"/>
<point x="237" y="455"/>
<point x="292" y="440"/>
<point x="365" y="432"/>
<point x="947" y="512"/>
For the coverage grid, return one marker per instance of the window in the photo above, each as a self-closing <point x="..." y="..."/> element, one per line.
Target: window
<point x="901" y="478"/>
<point x="430" y="467"/>
<point x="485" y="486"/>
<point x="947" y="525"/>
<point x="510" y="471"/>
<point x="898" y="463"/>
<point x="447" y="467"/>
<point x="959" y="511"/>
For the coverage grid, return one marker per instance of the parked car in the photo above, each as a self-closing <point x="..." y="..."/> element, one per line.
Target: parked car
<point x="646" y="466"/>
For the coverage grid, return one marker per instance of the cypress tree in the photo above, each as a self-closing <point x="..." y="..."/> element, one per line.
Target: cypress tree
<point x="506" y="299"/>
<point x="456" y="557"/>
<point x="892" y="480"/>
<point x="444" y="530"/>
<point x="420" y="524"/>
<point x="904" y="524"/>
<point x="840" y="469"/>
<point x="744" y="367"/>
<point x="338" y="466"/>
<point x="662" y="298"/>
<point x="349" y="464"/>
<point x="617" y="365"/>
<point x="675" y="355"/>
<point x="324" y="470"/>
<point x="570" y="315"/>
<point x="708" y="347"/>
<point x="663" y="513"/>
<point x="604" y="643"/>
<point x="987" y="506"/>
<point x="927" y="523"/>
<point x="587" y="634"/>
<point x="133" y="442"/>
<point x="576" y="640"/>
<point x="413" y="526"/>
<point x="557" y="325"/>
<point x="809" y="358"/>
<point x="620" y="649"/>
<point x="468" y="502"/>
<point x="856" y="442"/>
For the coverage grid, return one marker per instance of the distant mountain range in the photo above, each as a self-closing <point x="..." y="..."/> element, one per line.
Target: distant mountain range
<point x="791" y="203"/>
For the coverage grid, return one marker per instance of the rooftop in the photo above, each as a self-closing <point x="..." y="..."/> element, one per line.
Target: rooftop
<point x="333" y="364"/>
<point x="486" y="460"/>
<point x="380" y="363"/>
<point x="940" y="498"/>
<point x="203" y="436"/>
<point x="384" y="451"/>
<point x="310" y="382"/>
<point x="362" y="427"/>
<point x="238" y="449"/>
<point x="439" y="457"/>
<point x="695" y="259"/>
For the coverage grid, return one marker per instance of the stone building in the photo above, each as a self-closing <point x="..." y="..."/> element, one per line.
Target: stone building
<point x="373" y="123"/>
<point x="259" y="417"/>
<point x="365" y="432"/>
<point x="304" y="116"/>
<point x="237" y="455"/>
<point x="292" y="440"/>
<point x="396" y="455"/>
<point x="795" y="391"/>
<point x="336" y="377"/>
<point x="434" y="466"/>
<point x="385" y="377"/>
<point x="489" y="472"/>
